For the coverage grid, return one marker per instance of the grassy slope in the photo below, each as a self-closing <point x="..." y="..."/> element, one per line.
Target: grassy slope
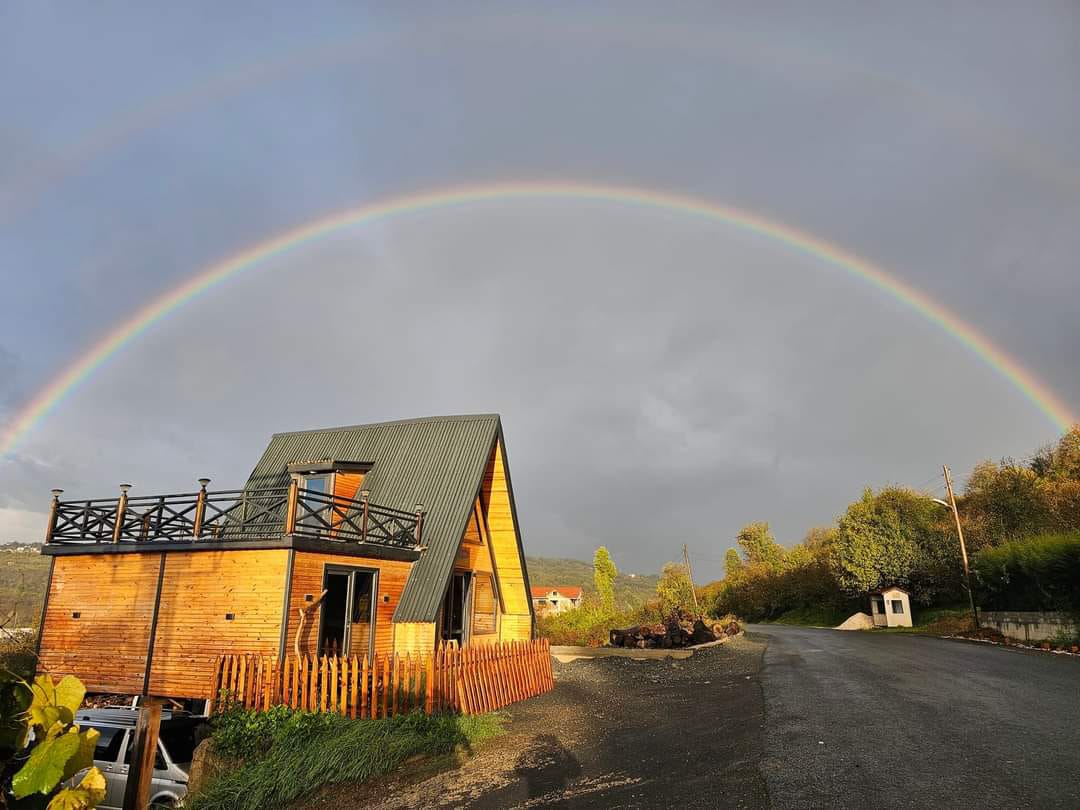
<point x="22" y="586"/>
<point x="305" y="753"/>
<point x="557" y="571"/>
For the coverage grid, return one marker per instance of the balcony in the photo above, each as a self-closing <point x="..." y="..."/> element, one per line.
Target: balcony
<point x="232" y="516"/>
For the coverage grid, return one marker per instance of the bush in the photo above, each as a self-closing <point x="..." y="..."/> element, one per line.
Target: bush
<point x="1038" y="573"/>
<point x="588" y="625"/>
<point x="289" y="754"/>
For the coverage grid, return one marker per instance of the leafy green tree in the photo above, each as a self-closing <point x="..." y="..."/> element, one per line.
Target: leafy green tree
<point x="883" y="539"/>
<point x="760" y="547"/>
<point x="674" y="587"/>
<point x="733" y="565"/>
<point x="604" y="573"/>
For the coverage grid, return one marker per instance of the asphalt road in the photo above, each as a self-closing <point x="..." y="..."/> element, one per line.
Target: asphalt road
<point x="871" y="720"/>
<point x="783" y="717"/>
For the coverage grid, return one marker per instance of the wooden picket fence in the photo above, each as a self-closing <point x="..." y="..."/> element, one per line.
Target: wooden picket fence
<point x="470" y="680"/>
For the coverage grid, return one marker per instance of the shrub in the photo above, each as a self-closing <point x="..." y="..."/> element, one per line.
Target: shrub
<point x="1038" y="573"/>
<point x="289" y="754"/>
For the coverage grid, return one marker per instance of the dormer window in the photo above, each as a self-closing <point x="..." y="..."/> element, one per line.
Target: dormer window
<point x="324" y="483"/>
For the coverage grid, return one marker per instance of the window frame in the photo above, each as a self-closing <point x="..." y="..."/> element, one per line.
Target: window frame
<point x="351" y="571"/>
<point x="897" y="606"/>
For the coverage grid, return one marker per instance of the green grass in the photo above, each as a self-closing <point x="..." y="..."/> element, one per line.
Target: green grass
<point x="811" y="617"/>
<point x="290" y="755"/>
<point x="22" y="586"/>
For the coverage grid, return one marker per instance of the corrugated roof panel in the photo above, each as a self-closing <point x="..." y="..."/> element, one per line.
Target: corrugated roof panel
<point x="437" y="461"/>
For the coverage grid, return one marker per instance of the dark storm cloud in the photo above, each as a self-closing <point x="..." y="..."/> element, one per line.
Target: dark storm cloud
<point x="663" y="379"/>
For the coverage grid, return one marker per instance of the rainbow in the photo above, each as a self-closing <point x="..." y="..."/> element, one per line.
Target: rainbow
<point x="248" y="260"/>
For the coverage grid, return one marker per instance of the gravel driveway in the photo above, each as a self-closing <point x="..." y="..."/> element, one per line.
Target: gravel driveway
<point x="617" y="733"/>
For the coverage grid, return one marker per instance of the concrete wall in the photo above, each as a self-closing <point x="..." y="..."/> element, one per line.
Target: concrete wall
<point x="1029" y="626"/>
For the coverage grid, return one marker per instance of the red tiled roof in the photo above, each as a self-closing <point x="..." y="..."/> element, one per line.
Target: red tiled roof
<point x="566" y="591"/>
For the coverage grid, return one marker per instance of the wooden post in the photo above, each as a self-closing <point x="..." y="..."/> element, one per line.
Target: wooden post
<point x="54" y="509"/>
<point x="200" y="508"/>
<point x="419" y="522"/>
<point x="690" y="576"/>
<point x="121" y="508"/>
<point x="291" y="506"/>
<point x="143" y="753"/>
<point x="364" y="495"/>
<point x="963" y="548"/>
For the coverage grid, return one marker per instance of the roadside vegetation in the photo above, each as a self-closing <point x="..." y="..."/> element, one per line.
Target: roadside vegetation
<point x="1021" y="522"/>
<point x="590" y="624"/>
<point x="275" y="757"/>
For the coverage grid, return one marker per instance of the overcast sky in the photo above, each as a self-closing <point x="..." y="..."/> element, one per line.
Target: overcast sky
<point x="662" y="379"/>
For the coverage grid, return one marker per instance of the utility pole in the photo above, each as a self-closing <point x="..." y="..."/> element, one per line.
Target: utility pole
<point x="963" y="548"/>
<point x="690" y="574"/>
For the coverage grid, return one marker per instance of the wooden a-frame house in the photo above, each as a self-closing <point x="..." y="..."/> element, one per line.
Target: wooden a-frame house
<point x="379" y="538"/>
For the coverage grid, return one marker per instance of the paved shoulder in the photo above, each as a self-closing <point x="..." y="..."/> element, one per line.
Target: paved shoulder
<point x="617" y="733"/>
<point x="885" y="720"/>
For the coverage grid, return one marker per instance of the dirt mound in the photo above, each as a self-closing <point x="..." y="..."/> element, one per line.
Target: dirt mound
<point x="857" y="621"/>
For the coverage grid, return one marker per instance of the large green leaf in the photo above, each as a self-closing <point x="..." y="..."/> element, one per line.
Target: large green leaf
<point x="69" y="694"/>
<point x="90" y="791"/>
<point x="45" y="768"/>
<point x="84" y="757"/>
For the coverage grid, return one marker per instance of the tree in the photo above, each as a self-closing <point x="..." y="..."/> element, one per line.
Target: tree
<point x="760" y="546"/>
<point x="733" y="565"/>
<point x="894" y="537"/>
<point x="674" y="587"/>
<point x="604" y="573"/>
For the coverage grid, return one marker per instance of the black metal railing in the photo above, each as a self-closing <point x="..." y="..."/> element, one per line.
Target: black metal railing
<point x="237" y="514"/>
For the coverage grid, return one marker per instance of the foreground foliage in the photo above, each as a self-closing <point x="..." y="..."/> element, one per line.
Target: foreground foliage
<point x="288" y="754"/>
<point x="1037" y="573"/>
<point x="44" y="747"/>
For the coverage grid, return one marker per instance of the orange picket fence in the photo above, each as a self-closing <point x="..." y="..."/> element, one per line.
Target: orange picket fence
<point x="470" y="680"/>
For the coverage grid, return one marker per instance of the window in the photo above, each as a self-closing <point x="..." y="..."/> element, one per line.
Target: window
<point x="897" y="605"/>
<point x="108" y="744"/>
<point x="312" y="487"/>
<point x="347" y="611"/>
<point x="483" y="605"/>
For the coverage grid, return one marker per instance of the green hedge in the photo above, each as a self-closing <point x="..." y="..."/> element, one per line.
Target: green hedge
<point x="1038" y="573"/>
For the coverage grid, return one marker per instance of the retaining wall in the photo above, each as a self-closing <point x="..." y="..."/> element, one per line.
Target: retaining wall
<point x="1029" y="625"/>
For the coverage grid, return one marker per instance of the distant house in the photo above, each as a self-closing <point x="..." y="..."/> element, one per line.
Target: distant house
<point x="555" y="599"/>
<point x="890" y="607"/>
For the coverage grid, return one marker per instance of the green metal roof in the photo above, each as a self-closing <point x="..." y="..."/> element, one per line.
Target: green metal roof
<point x="438" y="461"/>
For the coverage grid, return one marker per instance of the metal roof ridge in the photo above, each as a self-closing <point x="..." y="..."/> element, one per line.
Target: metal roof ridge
<point x="463" y="417"/>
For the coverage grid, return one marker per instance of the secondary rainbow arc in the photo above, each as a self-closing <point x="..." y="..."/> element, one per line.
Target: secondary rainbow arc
<point x="50" y="396"/>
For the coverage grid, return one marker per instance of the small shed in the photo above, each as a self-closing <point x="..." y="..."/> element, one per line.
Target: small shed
<point x="890" y="607"/>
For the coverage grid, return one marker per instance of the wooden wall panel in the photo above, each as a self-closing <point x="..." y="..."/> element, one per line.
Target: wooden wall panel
<point x="414" y="637"/>
<point x="308" y="578"/>
<point x="515" y="628"/>
<point x="198" y="590"/>
<point x="106" y="646"/>
<point x="473" y="553"/>
<point x="495" y="498"/>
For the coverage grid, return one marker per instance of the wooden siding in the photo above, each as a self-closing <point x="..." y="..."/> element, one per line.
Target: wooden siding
<point x="516" y="622"/>
<point x="414" y="638"/>
<point x="106" y="646"/>
<point x="307" y="578"/>
<point x="198" y="591"/>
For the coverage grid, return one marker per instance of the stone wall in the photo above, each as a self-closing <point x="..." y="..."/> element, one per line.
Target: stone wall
<point x="1030" y="626"/>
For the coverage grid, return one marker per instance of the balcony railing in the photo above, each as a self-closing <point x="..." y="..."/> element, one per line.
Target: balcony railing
<point x="226" y="515"/>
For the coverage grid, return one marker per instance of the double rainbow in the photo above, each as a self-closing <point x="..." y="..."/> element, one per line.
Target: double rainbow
<point x="83" y="367"/>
